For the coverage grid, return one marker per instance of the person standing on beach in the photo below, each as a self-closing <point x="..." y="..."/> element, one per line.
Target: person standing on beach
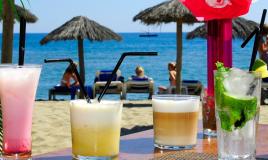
<point x="263" y="49"/>
<point x="263" y="52"/>
<point x="68" y="77"/>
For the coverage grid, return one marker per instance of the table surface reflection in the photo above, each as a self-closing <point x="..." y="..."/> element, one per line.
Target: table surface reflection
<point x="140" y="146"/>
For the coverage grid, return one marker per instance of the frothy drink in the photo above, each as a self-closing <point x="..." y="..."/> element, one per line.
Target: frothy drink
<point x="17" y="92"/>
<point x="95" y="128"/>
<point x="175" y="121"/>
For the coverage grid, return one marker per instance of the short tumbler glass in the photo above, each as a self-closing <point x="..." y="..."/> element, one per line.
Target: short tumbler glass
<point x="95" y="129"/>
<point x="175" y="119"/>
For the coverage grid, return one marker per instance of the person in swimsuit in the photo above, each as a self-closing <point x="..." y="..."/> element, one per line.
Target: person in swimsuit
<point x="263" y="52"/>
<point x="263" y="49"/>
<point x="172" y="78"/>
<point x="68" y="77"/>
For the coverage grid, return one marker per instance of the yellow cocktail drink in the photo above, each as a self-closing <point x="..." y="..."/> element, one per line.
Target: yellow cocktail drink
<point x="95" y="128"/>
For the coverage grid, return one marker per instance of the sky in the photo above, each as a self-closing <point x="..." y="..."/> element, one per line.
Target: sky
<point x="114" y="14"/>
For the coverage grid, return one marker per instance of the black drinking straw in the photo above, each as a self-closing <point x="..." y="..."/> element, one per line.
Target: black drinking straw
<point x="258" y="36"/>
<point x="75" y="71"/>
<point x="118" y="65"/>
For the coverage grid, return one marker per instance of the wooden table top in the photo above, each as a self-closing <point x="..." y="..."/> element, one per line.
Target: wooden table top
<point x="140" y="146"/>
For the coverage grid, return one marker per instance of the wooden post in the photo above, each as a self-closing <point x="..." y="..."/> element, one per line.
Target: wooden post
<point x="22" y="40"/>
<point x="7" y="33"/>
<point x="179" y="56"/>
<point x="81" y="62"/>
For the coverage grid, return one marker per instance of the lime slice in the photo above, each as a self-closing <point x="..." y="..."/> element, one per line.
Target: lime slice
<point x="235" y="111"/>
<point x="261" y="67"/>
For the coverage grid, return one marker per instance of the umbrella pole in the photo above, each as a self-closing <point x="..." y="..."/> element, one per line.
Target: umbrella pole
<point x="22" y="41"/>
<point x="81" y="62"/>
<point x="179" y="56"/>
<point x="219" y="48"/>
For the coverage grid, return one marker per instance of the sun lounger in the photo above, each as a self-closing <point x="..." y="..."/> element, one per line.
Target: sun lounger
<point x="139" y="85"/>
<point x="116" y="86"/>
<point x="264" y="93"/>
<point x="58" y="90"/>
<point x="61" y="90"/>
<point x="191" y="87"/>
<point x="194" y="87"/>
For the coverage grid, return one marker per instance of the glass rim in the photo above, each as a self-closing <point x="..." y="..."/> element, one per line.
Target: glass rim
<point x="257" y="74"/>
<point x="175" y="97"/>
<point x="93" y="101"/>
<point x="20" y="66"/>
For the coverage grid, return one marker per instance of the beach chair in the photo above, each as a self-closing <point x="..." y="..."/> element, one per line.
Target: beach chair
<point x="73" y="91"/>
<point x="116" y="86"/>
<point x="194" y="87"/>
<point x="139" y="85"/>
<point x="190" y="87"/>
<point x="264" y="93"/>
<point x="58" y="90"/>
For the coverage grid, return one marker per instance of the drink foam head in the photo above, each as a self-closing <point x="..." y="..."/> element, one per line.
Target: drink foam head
<point x="175" y="103"/>
<point x="95" y="113"/>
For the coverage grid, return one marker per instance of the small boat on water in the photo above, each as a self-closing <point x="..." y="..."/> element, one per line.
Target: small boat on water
<point x="147" y="34"/>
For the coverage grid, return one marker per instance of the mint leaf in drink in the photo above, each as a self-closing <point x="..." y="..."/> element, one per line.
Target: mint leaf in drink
<point x="221" y="68"/>
<point x="239" y="110"/>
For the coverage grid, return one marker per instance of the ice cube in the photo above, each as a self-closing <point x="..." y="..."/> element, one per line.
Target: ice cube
<point x="238" y="82"/>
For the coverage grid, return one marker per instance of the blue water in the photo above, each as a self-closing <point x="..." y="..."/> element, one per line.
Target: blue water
<point x="104" y="55"/>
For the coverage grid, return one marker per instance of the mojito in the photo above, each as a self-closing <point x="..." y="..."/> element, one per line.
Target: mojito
<point x="237" y="108"/>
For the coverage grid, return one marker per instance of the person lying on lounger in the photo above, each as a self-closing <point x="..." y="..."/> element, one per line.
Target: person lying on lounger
<point x="69" y="78"/>
<point x="140" y="76"/>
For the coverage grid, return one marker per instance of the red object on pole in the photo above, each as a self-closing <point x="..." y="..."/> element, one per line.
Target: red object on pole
<point x="217" y="9"/>
<point x="219" y="43"/>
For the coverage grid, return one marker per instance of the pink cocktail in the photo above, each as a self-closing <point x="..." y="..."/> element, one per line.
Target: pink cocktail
<point x="18" y="86"/>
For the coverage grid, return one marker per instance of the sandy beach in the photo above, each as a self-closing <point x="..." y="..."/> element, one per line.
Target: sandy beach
<point x="51" y="122"/>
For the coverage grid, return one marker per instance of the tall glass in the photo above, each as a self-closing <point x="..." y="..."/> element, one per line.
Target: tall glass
<point x="209" y="119"/>
<point x="18" y="86"/>
<point x="175" y="119"/>
<point x="237" y="112"/>
<point x="95" y="129"/>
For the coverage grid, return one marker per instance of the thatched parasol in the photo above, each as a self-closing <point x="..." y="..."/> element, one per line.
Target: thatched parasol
<point x="26" y="14"/>
<point x="80" y="28"/>
<point x="242" y="28"/>
<point x="166" y="12"/>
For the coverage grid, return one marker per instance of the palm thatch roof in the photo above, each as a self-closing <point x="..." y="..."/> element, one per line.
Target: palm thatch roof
<point x="241" y="29"/>
<point x="26" y="14"/>
<point x="165" y="12"/>
<point x="81" y="28"/>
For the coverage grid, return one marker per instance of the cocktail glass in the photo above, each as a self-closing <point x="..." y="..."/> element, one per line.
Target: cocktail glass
<point x="209" y="119"/>
<point x="237" y="112"/>
<point x="18" y="86"/>
<point x="95" y="129"/>
<point x="175" y="119"/>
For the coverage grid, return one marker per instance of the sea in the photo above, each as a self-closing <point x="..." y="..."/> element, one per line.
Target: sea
<point x="104" y="55"/>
